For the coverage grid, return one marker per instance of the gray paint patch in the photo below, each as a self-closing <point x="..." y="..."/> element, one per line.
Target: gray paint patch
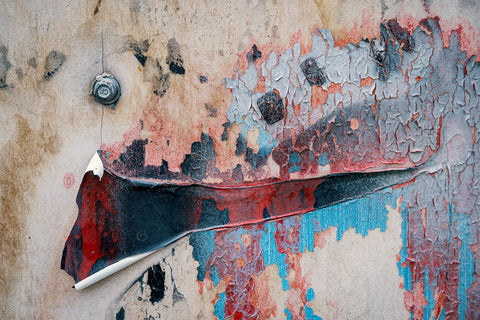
<point x="4" y="66"/>
<point x="53" y="62"/>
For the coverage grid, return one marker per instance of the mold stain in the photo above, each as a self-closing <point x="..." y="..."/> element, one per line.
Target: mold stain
<point x="22" y="159"/>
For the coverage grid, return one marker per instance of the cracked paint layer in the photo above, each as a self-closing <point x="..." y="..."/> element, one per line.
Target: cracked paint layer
<point x="406" y="99"/>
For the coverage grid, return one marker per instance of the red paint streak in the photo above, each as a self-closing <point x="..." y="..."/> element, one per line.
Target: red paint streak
<point x="96" y="231"/>
<point x="366" y="28"/>
<point x="414" y="301"/>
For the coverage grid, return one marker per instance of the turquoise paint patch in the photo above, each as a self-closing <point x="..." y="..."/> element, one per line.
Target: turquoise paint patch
<point x="467" y="263"/>
<point x="309" y="311"/>
<point x="203" y="244"/>
<point x="219" y="308"/>
<point x="294" y="160"/>
<point x="310" y="295"/>
<point x="215" y="278"/>
<point x="264" y="140"/>
<point x="288" y="313"/>
<point x="323" y="159"/>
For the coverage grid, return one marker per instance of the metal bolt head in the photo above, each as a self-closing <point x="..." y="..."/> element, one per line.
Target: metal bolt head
<point x="106" y="90"/>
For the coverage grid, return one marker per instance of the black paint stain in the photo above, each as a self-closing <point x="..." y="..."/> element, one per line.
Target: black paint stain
<point x="271" y="107"/>
<point x="202" y="79"/>
<point x="345" y="187"/>
<point x="133" y="161"/>
<point x="156" y="282"/>
<point x="161" y="81"/>
<point x="53" y="62"/>
<point x="241" y="145"/>
<point x="4" y="66"/>
<point x="100" y="264"/>
<point x="140" y="48"/>
<point x="226" y="125"/>
<point x="266" y="214"/>
<point x="195" y="163"/>
<point x="237" y="173"/>
<point x="254" y="54"/>
<point x="312" y="72"/>
<point x="120" y="314"/>
<point x="134" y="157"/>
<point x="212" y="111"/>
<point x="174" y="58"/>
<point x="211" y="216"/>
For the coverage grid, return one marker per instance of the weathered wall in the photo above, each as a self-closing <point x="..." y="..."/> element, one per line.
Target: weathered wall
<point x="407" y="250"/>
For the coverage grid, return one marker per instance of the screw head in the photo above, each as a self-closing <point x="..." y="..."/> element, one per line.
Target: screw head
<point x="106" y="90"/>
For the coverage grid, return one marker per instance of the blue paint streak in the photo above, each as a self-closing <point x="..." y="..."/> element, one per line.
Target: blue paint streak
<point x="271" y="254"/>
<point x="429" y="296"/>
<point x="467" y="263"/>
<point x="307" y="232"/>
<point x="364" y="214"/>
<point x="404" y="272"/>
<point x="219" y="308"/>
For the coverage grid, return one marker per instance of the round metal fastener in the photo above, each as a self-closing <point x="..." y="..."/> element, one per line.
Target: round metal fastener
<point x="106" y="89"/>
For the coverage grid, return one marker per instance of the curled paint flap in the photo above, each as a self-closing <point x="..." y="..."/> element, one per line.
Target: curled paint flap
<point x="96" y="166"/>
<point x="121" y="221"/>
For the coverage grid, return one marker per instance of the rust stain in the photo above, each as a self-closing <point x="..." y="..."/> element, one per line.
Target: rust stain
<point x="21" y="159"/>
<point x="99" y="2"/>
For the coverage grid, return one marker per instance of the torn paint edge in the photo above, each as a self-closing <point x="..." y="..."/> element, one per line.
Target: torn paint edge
<point x="111" y="269"/>
<point x="95" y="165"/>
